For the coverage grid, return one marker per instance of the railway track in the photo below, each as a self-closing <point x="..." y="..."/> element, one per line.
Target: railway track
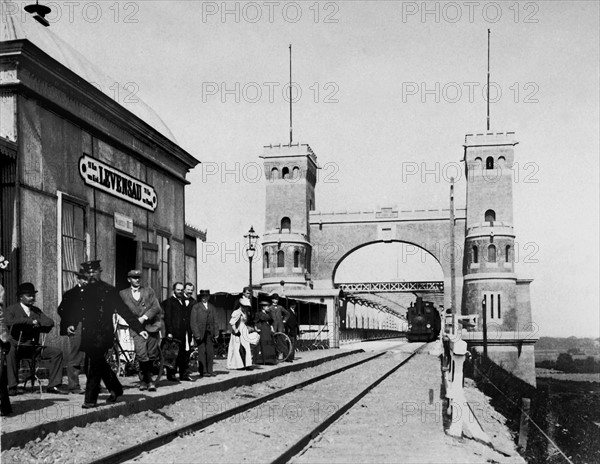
<point x="302" y="412"/>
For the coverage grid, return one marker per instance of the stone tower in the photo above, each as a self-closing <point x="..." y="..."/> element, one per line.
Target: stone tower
<point x="291" y="175"/>
<point x="490" y="281"/>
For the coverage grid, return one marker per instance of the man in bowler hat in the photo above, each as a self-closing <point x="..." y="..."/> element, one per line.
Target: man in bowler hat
<point x="100" y="302"/>
<point x="204" y="326"/>
<point x="72" y="302"/>
<point x="142" y="302"/>
<point x="278" y="313"/>
<point x="26" y="322"/>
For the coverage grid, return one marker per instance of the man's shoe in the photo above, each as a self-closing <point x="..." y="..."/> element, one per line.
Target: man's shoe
<point x="77" y="391"/>
<point x="151" y="387"/>
<point x="88" y="405"/>
<point x="143" y="386"/>
<point x="56" y="391"/>
<point x="171" y="378"/>
<point x="8" y="412"/>
<point x="112" y="398"/>
<point x="13" y="392"/>
<point x="185" y="377"/>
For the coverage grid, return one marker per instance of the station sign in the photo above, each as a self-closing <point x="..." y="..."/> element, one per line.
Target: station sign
<point x="111" y="180"/>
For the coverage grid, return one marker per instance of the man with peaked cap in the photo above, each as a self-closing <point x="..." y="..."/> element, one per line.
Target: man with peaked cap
<point x="142" y="302"/>
<point x="177" y="310"/>
<point x="72" y="302"/>
<point x="26" y="322"/>
<point x="204" y="328"/>
<point x="100" y="302"/>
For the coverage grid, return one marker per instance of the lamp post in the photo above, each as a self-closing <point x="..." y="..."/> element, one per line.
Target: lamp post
<point x="251" y="250"/>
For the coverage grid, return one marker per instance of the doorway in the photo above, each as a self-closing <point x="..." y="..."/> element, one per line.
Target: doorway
<point x="125" y="259"/>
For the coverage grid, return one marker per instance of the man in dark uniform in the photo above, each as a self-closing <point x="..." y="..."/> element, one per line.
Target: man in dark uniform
<point x="188" y="293"/>
<point x="292" y="329"/>
<point x="177" y="311"/>
<point x="26" y="322"/>
<point x="72" y="302"/>
<point x="100" y="302"/>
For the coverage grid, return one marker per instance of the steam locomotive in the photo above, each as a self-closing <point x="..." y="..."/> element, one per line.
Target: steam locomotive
<point x="423" y="321"/>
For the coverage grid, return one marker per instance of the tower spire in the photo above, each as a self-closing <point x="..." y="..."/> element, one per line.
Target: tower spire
<point x="291" y="125"/>
<point x="488" y="81"/>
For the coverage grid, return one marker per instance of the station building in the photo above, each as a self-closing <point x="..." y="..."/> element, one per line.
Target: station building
<point x="83" y="176"/>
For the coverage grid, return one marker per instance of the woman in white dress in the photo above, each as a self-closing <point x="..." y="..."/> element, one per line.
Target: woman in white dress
<point x="239" y="355"/>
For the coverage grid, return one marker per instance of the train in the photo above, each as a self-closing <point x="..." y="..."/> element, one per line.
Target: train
<point x="424" y="321"/>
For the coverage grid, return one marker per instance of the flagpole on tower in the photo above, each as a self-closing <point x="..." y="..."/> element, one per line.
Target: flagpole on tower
<point x="488" y="82"/>
<point x="291" y="137"/>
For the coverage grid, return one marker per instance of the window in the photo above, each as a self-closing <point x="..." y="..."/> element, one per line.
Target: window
<point x="280" y="258"/>
<point x="296" y="173"/>
<point x="478" y="161"/>
<point x="73" y="242"/>
<point x="274" y="173"/>
<point x="490" y="216"/>
<point x="507" y="254"/>
<point x="475" y="254"/>
<point x="286" y="224"/>
<point x="489" y="162"/>
<point x="266" y="262"/>
<point x="285" y="173"/>
<point x="296" y="258"/>
<point x="492" y="306"/>
<point x="491" y="253"/>
<point x="163" y="266"/>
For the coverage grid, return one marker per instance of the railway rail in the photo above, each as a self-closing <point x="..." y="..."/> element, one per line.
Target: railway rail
<point x="150" y="451"/>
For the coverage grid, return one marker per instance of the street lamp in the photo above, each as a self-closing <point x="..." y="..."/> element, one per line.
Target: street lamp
<point x="251" y="250"/>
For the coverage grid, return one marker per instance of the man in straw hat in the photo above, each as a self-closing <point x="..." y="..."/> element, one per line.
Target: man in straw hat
<point x="142" y="302"/>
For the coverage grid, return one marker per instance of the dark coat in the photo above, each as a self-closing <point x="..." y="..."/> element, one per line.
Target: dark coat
<point x="177" y="318"/>
<point x="100" y="302"/>
<point x="292" y="329"/>
<point x="147" y="306"/>
<point x="278" y="314"/>
<point x="21" y="326"/>
<point x="72" y="302"/>
<point x="203" y="320"/>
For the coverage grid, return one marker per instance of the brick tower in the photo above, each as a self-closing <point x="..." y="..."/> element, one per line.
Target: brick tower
<point x="291" y="174"/>
<point x="490" y="282"/>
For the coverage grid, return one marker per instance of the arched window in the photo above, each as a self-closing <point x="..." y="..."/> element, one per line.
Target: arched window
<point x="285" y="173"/>
<point x="296" y="258"/>
<point x="475" y="254"/>
<point x="489" y="162"/>
<point x="280" y="259"/>
<point x="286" y="223"/>
<point x="501" y="162"/>
<point x="274" y="173"/>
<point x="478" y="161"/>
<point x="492" y="254"/>
<point x="507" y="254"/>
<point x="266" y="261"/>
<point x="296" y="173"/>
<point x="490" y="215"/>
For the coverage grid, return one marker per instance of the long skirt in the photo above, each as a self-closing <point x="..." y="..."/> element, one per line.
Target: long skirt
<point x="239" y="354"/>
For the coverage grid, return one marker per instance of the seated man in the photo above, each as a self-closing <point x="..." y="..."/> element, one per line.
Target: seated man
<point x="25" y="323"/>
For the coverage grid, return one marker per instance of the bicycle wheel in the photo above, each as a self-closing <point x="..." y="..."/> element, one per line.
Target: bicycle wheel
<point x="283" y="344"/>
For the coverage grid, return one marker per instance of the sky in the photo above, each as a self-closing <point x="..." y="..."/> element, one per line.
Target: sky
<point x="387" y="92"/>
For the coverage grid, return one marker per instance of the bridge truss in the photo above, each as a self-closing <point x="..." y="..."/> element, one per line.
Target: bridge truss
<point x="392" y="287"/>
